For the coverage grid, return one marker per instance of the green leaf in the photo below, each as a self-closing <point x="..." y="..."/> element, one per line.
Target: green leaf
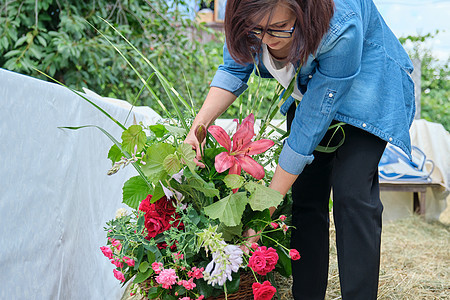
<point x="141" y="276"/>
<point x="143" y="267"/>
<point x="187" y="154"/>
<point x="233" y="285"/>
<point x="262" y="197"/>
<point x="159" y="130"/>
<point x="259" y="220"/>
<point x="133" y="136"/>
<point x="152" y="293"/>
<point x="229" y="209"/>
<point x="115" y="154"/>
<point x="172" y="164"/>
<point x="207" y="188"/>
<point x="154" y="159"/>
<point x="135" y="190"/>
<point x="229" y="232"/>
<point x="283" y="266"/>
<point x="233" y="181"/>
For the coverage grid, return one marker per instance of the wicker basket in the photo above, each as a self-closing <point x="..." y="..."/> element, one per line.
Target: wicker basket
<point x="245" y="291"/>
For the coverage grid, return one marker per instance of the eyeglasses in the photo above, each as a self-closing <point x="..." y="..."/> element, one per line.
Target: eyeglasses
<point x="284" y="34"/>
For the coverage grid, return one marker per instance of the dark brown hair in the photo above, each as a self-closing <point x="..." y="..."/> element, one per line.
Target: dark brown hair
<point x="313" y="19"/>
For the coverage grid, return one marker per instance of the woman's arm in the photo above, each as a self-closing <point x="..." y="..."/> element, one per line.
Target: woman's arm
<point x="216" y="102"/>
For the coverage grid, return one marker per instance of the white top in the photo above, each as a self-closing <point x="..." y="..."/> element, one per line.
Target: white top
<point x="282" y="73"/>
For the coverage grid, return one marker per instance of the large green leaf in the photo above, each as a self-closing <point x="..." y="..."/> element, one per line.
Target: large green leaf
<point x="154" y="161"/>
<point x="159" y="130"/>
<point x="134" y="191"/>
<point x="229" y="232"/>
<point x="187" y="154"/>
<point x="233" y="181"/>
<point x="207" y="188"/>
<point x="133" y="136"/>
<point x="262" y="197"/>
<point x="141" y="276"/>
<point x="229" y="209"/>
<point x="172" y="164"/>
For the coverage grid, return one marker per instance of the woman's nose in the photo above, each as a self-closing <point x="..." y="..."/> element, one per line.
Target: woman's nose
<point x="267" y="39"/>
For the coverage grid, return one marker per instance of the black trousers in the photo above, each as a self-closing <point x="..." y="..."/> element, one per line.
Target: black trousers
<point x="352" y="172"/>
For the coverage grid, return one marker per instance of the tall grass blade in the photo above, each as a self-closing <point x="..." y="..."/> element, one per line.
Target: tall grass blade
<point x="85" y="98"/>
<point x="116" y="142"/>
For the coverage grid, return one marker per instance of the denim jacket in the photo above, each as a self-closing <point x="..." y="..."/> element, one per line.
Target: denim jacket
<point x="359" y="75"/>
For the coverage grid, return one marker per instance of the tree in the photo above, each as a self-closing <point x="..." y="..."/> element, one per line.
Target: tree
<point x="54" y="37"/>
<point x="435" y="84"/>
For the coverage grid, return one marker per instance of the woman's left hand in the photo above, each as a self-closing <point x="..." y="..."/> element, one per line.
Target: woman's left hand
<point x="253" y="237"/>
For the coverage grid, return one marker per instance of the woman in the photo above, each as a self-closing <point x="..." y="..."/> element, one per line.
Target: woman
<point x="352" y="69"/>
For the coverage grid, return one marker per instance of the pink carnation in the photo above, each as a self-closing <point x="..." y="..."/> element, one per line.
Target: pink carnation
<point x="167" y="278"/>
<point x="129" y="262"/>
<point x="274" y="225"/>
<point x="283" y="218"/>
<point x="263" y="260"/>
<point x="294" y="254"/>
<point x="254" y="246"/>
<point x="187" y="284"/>
<point x="201" y="297"/>
<point x="184" y="298"/>
<point x="196" y="273"/>
<point x="117" y="263"/>
<point x="119" y="275"/>
<point x="107" y="252"/>
<point x="156" y="266"/>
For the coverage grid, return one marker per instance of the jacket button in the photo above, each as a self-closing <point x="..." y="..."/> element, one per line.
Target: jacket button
<point x="330" y="95"/>
<point x="310" y="76"/>
<point x="364" y="125"/>
<point x="390" y="139"/>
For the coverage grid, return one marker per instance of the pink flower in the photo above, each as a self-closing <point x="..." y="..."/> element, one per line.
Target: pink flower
<point x="107" y="252"/>
<point x="196" y="273"/>
<point x="274" y="225"/>
<point x="187" y="284"/>
<point x="263" y="291"/>
<point x="263" y="260"/>
<point x="238" y="155"/>
<point x="167" y="278"/>
<point x="184" y="298"/>
<point x="130" y="262"/>
<point x="117" y="263"/>
<point x="294" y="254"/>
<point x="254" y="246"/>
<point x="119" y="275"/>
<point x="283" y="218"/>
<point x="156" y="266"/>
<point x="201" y="297"/>
<point x="177" y="256"/>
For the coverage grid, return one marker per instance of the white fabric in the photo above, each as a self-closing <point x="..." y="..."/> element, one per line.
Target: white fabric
<point x="55" y="196"/>
<point x="283" y="75"/>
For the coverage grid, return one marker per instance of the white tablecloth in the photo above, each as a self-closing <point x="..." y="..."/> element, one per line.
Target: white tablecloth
<point x="55" y="196"/>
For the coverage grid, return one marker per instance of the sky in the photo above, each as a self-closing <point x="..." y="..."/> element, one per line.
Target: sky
<point x="413" y="17"/>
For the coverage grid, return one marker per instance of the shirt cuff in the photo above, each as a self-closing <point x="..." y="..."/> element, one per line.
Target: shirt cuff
<point x="293" y="162"/>
<point x="229" y="82"/>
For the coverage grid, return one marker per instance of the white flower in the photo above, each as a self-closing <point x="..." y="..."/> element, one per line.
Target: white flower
<point x="223" y="263"/>
<point x="121" y="212"/>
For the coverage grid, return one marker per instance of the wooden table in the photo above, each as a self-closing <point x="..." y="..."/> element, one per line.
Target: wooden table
<point x="419" y="190"/>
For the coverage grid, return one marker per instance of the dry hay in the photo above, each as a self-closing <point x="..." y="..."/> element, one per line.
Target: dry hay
<point x="415" y="262"/>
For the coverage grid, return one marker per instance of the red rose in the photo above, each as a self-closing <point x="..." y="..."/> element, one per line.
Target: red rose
<point x="155" y="225"/>
<point x="263" y="291"/>
<point x="294" y="254"/>
<point x="263" y="260"/>
<point x="145" y="205"/>
<point x="164" y="206"/>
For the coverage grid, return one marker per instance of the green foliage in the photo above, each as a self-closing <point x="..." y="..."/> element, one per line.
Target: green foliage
<point x="435" y="84"/>
<point x="54" y="37"/>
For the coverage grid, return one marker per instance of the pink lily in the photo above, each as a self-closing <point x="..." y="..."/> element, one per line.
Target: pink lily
<point x="239" y="150"/>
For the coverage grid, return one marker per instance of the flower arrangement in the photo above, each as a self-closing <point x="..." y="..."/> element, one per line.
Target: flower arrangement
<point x="183" y="236"/>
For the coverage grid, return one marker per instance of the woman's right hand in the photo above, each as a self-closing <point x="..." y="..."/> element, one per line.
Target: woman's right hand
<point x="193" y="139"/>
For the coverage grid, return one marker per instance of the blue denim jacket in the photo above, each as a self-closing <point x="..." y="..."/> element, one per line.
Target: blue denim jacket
<point x="359" y="75"/>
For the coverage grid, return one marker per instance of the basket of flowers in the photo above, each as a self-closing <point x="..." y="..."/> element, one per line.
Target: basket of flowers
<point x="182" y="235"/>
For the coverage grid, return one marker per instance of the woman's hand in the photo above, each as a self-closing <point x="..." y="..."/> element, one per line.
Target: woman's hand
<point x="253" y="237"/>
<point x="196" y="138"/>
